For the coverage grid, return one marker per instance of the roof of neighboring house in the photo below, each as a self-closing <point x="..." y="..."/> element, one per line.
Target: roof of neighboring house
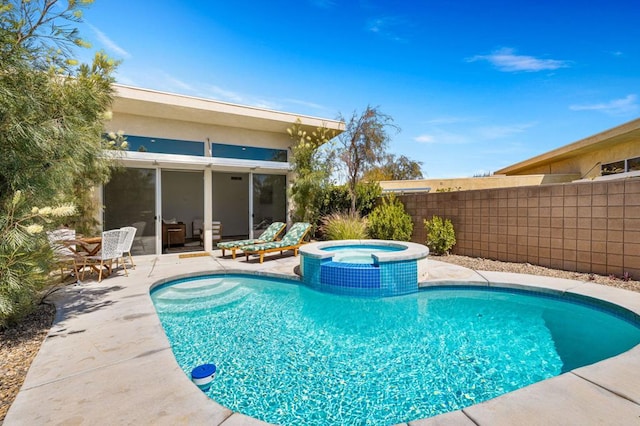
<point x="153" y="103"/>
<point x="624" y="133"/>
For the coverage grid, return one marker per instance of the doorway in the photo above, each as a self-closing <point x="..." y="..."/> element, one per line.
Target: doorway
<point x="130" y="200"/>
<point x="182" y="198"/>
<point x="230" y="195"/>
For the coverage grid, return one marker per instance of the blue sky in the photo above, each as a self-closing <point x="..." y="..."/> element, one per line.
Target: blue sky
<point x="473" y="85"/>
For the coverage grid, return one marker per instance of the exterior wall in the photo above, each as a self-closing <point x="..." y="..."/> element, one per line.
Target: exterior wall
<point x="186" y="130"/>
<point x="587" y="165"/>
<point x="464" y="184"/>
<point x="591" y="227"/>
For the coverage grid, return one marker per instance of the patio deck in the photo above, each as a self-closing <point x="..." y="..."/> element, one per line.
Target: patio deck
<point x="106" y="360"/>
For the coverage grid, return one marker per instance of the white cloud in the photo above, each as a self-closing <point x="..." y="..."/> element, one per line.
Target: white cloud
<point x="387" y="27"/>
<point x="177" y="85"/>
<point x="217" y="92"/>
<point x="305" y="104"/>
<point x="624" y="106"/>
<point x="109" y="44"/>
<point x="425" y="139"/>
<point x="160" y="80"/>
<point x="507" y="60"/>
<point x="442" y="137"/>
<point x="224" y="94"/>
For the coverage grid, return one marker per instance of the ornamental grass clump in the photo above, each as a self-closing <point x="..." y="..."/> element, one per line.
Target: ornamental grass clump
<point x="344" y="226"/>
<point x="441" y="236"/>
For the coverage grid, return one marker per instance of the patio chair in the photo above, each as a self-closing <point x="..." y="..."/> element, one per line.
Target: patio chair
<point x="65" y="258"/>
<point x="272" y="233"/>
<point x="197" y="226"/>
<point x="109" y="252"/>
<point x="291" y="241"/>
<point x="127" y="235"/>
<point x="139" y="231"/>
<point x="216" y="232"/>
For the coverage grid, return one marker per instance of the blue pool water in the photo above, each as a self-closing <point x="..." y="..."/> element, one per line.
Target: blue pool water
<point x="290" y="355"/>
<point x="359" y="253"/>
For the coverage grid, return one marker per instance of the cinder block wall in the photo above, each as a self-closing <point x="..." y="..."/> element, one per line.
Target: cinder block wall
<point x="584" y="227"/>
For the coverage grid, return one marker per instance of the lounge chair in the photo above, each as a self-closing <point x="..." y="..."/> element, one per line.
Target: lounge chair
<point x="270" y="234"/>
<point x="291" y="241"/>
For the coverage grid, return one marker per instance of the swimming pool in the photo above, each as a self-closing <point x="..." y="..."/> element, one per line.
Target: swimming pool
<point x="289" y="355"/>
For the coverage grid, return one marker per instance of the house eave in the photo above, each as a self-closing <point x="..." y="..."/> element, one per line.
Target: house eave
<point x="171" y="106"/>
<point x="617" y="135"/>
<point x="189" y="162"/>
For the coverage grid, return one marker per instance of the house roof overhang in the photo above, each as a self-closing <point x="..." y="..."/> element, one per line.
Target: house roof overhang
<point x="188" y="162"/>
<point x="621" y="134"/>
<point x="171" y="106"/>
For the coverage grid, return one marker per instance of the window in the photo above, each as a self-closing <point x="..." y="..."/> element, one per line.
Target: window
<point x="195" y="148"/>
<point x="269" y="200"/>
<point x="613" y="168"/>
<point x="248" y="152"/>
<point x="165" y="146"/>
<point x="622" y="166"/>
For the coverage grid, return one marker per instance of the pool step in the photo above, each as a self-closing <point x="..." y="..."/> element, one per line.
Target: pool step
<point x="233" y="294"/>
<point x="197" y="289"/>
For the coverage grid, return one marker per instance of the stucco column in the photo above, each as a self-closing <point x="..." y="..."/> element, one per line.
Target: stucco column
<point x="251" y="204"/>
<point x="208" y="208"/>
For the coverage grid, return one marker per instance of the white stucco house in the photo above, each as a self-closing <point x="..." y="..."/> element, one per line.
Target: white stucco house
<point x="192" y="162"/>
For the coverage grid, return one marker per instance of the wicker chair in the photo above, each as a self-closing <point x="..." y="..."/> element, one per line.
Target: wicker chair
<point x="127" y="235"/>
<point x="110" y="251"/>
<point x="61" y="241"/>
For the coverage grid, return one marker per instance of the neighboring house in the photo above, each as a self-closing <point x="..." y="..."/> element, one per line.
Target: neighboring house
<point x="192" y="161"/>
<point x="612" y="154"/>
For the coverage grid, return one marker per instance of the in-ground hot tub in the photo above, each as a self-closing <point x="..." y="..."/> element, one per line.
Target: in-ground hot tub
<point x="364" y="267"/>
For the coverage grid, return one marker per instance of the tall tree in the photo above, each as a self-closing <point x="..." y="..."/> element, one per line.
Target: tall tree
<point x="51" y="124"/>
<point x="395" y="168"/>
<point x="364" y="144"/>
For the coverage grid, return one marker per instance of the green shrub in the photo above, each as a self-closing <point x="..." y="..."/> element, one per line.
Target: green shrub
<point x="344" y="226"/>
<point x="389" y="221"/>
<point x="336" y="198"/>
<point x="440" y="235"/>
<point x="367" y="194"/>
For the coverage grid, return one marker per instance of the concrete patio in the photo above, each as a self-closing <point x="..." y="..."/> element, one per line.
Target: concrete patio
<point x="106" y="360"/>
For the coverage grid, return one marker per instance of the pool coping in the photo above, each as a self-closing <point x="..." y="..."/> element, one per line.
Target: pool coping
<point x="412" y="251"/>
<point x="106" y="358"/>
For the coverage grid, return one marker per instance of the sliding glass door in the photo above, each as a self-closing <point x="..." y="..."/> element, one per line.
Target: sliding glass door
<point x="130" y="200"/>
<point x="269" y="201"/>
<point x="182" y="202"/>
